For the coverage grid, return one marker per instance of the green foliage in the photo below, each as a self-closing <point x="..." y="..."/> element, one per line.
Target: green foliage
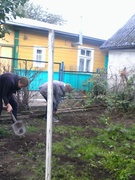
<point x="64" y="172"/>
<point x="6" y="10"/>
<point x="121" y="100"/>
<point x="124" y="99"/>
<point x="36" y="12"/>
<point x="122" y="167"/>
<point x="63" y="129"/>
<point x="89" y="152"/>
<point x="107" y="154"/>
<point x="104" y="119"/>
<point x="40" y="145"/>
<point x="3" y="31"/>
<point x="119" y="150"/>
<point x="97" y="86"/>
<point x="59" y="148"/>
<point x="68" y="144"/>
<point x="31" y="129"/>
<point x="111" y="150"/>
<point x="97" y="83"/>
<point x="4" y="132"/>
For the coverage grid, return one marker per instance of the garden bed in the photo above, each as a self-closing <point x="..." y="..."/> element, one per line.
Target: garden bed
<point x="23" y="158"/>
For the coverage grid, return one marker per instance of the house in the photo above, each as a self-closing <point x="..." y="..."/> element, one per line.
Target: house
<point x="26" y="47"/>
<point x="120" y="50"/>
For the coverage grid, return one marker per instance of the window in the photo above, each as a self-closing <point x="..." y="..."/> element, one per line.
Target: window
<point x="39" y="55"/>
<point x="85" y="60"/>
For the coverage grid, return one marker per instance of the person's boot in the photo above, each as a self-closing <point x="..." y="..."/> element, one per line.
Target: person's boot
<point x="55" y="120"/>
<point x="45" y="118"/>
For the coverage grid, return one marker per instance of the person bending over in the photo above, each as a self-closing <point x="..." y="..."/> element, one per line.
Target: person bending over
<point x="59" y="90"/>
<point x="10" y="83"/>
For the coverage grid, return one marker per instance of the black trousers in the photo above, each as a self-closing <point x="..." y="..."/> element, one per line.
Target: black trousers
<point x="13" y="103"/>
<point x="45" y="97"/>
<point x="54" y="106"/>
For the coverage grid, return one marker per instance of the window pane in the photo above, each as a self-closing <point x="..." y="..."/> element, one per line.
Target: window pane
<point x="85" y="58"/>
<point x="81" y="65"/>
<point x="88" y="53"/>
<point x="82" y="52"/>
<point x="87" y="68"/>
<point x="39" y="55"/>
<point x="39" y="51"/>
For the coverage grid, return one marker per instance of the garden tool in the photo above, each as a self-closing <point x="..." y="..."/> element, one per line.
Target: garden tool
<point x="18" y="126"/>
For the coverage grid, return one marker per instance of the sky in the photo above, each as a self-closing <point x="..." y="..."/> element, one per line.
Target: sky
<point x="97" y="18"/>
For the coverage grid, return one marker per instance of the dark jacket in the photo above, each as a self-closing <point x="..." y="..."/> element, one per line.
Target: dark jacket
<point x="8" y="86"/>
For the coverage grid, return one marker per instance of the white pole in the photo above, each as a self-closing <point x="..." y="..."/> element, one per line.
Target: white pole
<point x="49" y="105"/>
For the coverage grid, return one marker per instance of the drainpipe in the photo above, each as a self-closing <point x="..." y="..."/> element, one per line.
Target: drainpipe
<point x="80" y="42"/>
<point x="15" y="50"/>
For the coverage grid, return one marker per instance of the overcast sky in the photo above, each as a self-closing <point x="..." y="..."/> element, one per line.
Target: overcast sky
<point x="100" y="18"/>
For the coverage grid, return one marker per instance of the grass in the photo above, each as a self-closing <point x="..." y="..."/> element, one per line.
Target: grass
<point x="112" y="150"/>
<point x="107" y="154"/>
<point x="31" y="129"/>
<point x="4" y="131"/>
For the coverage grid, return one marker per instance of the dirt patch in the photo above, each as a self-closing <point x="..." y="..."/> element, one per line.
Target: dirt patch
<point x="20" y="155"/>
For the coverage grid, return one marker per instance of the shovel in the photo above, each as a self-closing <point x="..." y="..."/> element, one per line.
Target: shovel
<point x="18" y="126"/>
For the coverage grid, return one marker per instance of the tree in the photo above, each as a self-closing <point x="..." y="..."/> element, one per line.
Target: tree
<point x="36" y="12"/>
<point x="7" y="8"/>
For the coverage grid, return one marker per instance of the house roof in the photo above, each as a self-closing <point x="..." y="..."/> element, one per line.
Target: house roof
<point x="124" y="38"/>
<point x="59" y="30"/>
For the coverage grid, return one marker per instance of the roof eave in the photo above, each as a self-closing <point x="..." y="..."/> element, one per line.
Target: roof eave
<point x="116" y="48"/>
<point x="87" y="39"/>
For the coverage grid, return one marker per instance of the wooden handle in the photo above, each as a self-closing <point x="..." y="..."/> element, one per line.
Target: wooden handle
<point x="13" y="117"/>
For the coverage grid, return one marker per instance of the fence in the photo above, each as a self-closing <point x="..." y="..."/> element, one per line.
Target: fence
<point x="38" y="76"/>
<point x="25" y="67"/>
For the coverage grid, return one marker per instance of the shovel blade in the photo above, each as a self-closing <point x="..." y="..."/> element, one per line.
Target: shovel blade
<point x="19" y="128"/>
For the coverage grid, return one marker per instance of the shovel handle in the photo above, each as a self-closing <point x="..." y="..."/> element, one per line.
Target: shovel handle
<point x="13" y="117"/>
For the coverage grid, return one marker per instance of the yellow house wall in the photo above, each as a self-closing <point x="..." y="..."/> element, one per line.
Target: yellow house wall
<point x="63" y="51"/>
<point x="27" y="42"/>
<point x="99" y="57"/>
<point x="8" y="39"/>
<point x="6" y="50"/>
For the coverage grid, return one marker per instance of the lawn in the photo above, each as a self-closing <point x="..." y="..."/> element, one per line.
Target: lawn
<point x="86" y="145"/>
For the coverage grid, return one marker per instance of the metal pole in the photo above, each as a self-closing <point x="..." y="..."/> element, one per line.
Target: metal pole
<point x="49" y="105"/>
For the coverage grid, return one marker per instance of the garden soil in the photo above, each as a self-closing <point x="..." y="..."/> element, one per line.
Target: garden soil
<point x="16" y="153"/>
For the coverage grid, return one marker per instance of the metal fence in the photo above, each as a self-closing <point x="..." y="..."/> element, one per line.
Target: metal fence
<point x="38" y="75"/>
<point x="24" y="67"/>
